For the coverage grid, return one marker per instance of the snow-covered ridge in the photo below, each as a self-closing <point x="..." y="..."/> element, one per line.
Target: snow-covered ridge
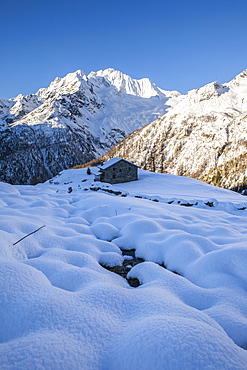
<point x="127" y="85"/>
<point x="97" y="87"/>
<point x="75" y="119"/>
<point x="204" y="136"/>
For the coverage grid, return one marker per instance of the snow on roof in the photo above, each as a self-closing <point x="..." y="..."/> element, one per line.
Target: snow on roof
<point x="112" y="161"/>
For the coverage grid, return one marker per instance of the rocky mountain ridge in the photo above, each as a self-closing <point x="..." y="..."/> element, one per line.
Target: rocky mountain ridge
<point x="204" y="136"/>
<point x="77" y="118"/>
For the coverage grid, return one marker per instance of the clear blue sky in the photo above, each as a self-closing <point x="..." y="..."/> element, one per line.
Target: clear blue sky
<point x="178" y="44"/>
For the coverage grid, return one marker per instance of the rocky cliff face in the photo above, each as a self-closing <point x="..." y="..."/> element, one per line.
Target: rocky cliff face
<point x="77" y="118"/>
<point x="203" y="136"/>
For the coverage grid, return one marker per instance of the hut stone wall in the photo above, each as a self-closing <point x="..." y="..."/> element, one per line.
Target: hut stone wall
<point x="121" y="171"/>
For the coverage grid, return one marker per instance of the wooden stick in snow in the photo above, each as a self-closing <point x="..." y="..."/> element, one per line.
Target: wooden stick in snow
<point x="29" y="234"/>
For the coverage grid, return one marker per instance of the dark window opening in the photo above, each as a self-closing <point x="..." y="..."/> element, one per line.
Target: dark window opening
<point x="113" y="176"/>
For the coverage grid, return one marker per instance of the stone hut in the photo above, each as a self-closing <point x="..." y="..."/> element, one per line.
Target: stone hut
<point x="118" y="170"/>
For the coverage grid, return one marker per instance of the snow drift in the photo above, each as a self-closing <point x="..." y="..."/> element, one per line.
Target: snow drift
<point x="59" y="306"/>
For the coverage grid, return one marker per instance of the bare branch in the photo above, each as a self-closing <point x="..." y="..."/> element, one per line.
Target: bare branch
<point x="29" y="234"/>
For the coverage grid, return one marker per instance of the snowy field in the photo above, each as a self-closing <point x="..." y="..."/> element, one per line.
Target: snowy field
<point x="60" y="308"/>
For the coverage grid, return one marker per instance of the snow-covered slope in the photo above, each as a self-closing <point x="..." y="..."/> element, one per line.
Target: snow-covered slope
<point x="77" y="118"/>
<point x="203" y="136"/>
<point x="61" y="307"/>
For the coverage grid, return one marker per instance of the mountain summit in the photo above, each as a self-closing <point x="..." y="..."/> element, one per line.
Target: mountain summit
<point x="203" y="136"/>
<point x="75" y="119"/>
<point x="143" y="88"/>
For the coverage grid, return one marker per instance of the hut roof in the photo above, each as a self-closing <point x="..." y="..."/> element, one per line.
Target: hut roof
<point x="113" y="161"/>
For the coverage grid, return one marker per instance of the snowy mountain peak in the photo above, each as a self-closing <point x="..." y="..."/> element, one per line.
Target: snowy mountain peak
<point x="127" y="85"/>
<point x="203" y="136"/>
<point x="66" y="85"/>
<point x="240" y="79"/>
<point x="74" y="120"/>
<point x="80" y="73"/>
<point x="122" y="83"/>
<point x="211" y="90"/>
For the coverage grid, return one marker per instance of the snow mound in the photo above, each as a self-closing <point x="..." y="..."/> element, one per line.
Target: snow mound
<point x="61" y="306"/>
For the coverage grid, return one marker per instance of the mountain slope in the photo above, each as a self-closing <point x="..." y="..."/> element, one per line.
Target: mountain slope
<point x="203" y="136"/>
<point x="77" y="118"/>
